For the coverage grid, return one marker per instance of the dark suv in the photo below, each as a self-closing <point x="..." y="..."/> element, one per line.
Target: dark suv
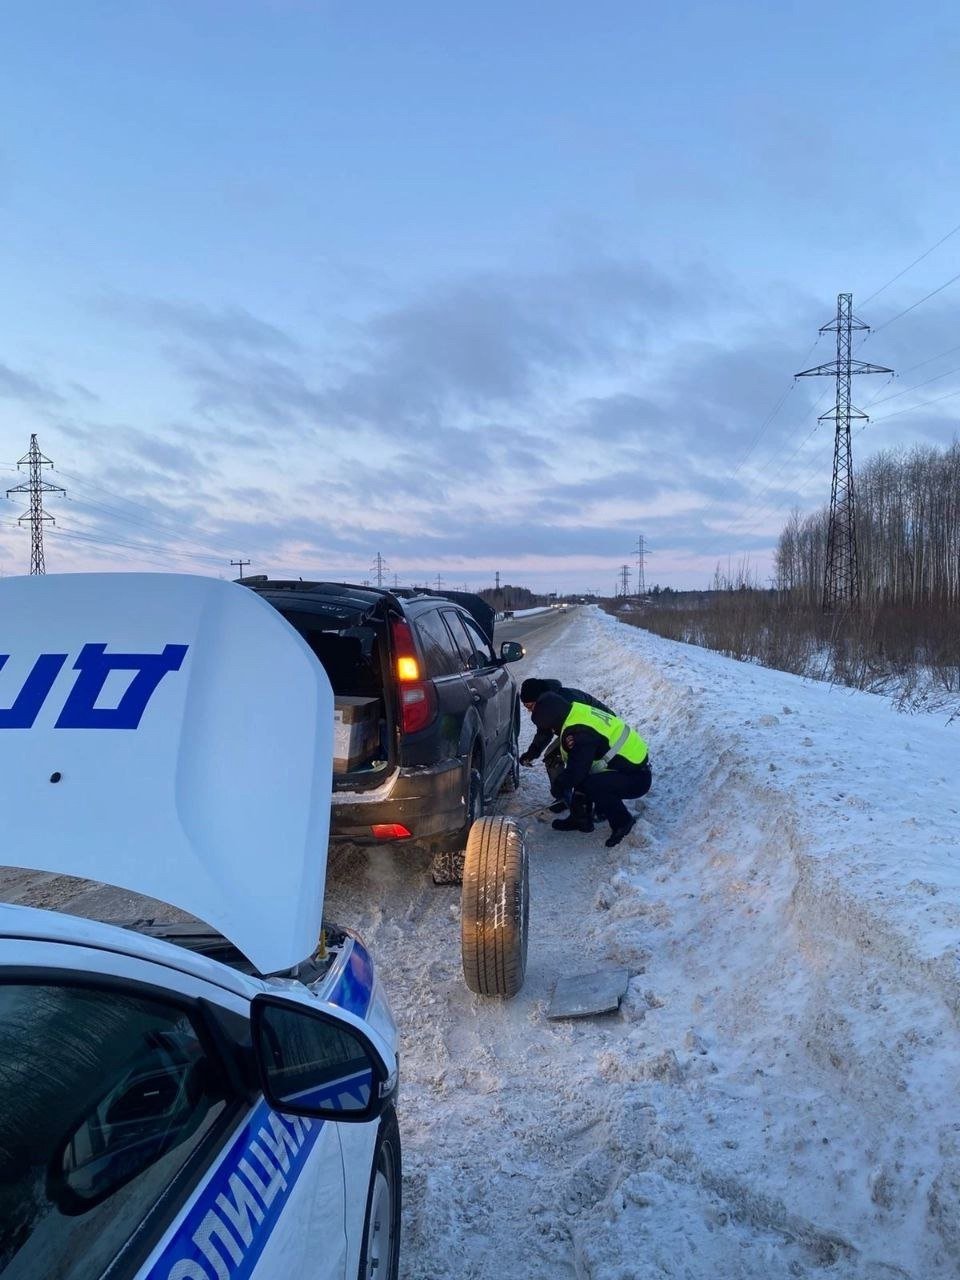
<point x="431" y="716"/>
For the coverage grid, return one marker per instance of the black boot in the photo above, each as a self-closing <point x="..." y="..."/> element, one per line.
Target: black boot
<point x="618" y="832"/>
<point x="572" y="824"/>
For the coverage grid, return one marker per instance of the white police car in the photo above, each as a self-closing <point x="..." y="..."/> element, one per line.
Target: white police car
<point x="181" y="1101"/>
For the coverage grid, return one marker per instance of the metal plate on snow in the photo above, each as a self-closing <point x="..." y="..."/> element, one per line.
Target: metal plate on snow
<point x="584" y="994"/>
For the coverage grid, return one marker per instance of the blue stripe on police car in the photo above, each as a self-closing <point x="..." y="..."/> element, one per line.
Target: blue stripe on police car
<point x="228" y="1225"/>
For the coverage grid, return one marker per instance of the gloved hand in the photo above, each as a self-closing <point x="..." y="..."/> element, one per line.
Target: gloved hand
<point x="527" y="759"/>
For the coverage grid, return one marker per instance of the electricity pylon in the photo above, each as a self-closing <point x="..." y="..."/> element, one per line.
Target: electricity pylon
<point x="841" y="579"/>
<point x="641" y="576"/>
<point x="36" y="486"/>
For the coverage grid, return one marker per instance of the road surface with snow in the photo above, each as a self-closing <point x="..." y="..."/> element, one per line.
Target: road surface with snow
<point x="778" y="1094"/>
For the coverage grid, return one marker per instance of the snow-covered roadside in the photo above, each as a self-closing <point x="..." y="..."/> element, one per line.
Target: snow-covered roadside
<point x="922" y="689"/>
<point x="800" y="862"/>
<point x="778" y="1095"/>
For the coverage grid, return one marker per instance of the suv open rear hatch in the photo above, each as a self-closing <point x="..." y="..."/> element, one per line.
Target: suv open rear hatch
<point x="348" y="630"/>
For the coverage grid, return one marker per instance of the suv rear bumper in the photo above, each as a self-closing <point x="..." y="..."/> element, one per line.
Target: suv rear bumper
<point x="429" y="801"/>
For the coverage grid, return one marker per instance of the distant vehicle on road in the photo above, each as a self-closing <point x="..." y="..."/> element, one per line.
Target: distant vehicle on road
<point x="428" y="716"/>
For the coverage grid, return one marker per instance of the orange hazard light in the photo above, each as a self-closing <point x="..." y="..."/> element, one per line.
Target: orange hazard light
<point x="407" y="668"/>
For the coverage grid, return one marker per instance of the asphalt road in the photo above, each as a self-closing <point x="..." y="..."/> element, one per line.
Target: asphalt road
<point x="534" y="633"/>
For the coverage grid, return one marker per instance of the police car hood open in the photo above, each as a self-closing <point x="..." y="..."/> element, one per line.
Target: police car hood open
<point x="172" y="736"/>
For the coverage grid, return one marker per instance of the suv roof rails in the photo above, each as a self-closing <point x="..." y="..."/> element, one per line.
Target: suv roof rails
<point x="481" y="612"/>
<point x="328" y="586"/>
<point x="415" y="593"/>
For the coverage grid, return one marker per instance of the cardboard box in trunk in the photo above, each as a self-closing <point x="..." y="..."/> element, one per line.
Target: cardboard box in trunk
<point x="356" y="732"/>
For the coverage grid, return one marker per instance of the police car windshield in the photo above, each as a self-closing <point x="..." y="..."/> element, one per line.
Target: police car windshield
<point x="103" y="1096"/>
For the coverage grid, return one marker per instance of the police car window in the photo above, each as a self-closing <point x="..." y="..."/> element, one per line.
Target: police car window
<point x="103" y="1097"/>
<point x="441" y="655"/>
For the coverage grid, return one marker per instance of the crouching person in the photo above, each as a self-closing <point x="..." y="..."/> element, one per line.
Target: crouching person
<point x="604" y="761"/>
<point x="534" y="688"/>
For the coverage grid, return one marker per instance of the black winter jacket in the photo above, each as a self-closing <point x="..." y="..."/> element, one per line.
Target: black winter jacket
<point x="543" y="737"/>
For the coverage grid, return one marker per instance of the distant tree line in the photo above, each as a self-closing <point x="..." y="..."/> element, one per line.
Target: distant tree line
<point x="509" y="597"/>
<point x="908" y="533"/>
<point x="905" y="638"/>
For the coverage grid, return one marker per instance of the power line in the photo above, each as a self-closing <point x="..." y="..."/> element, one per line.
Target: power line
<point x="155" y="524"/>
<point x="158" y="522"/>
<point x="755" y="503"/>
<point x="906" y="311"/>
<point x="912" y="408"/>
<point x="916" y="387"/>
<point x="168" y="522"/>
<point x="926" y="254"/>
<point x="148" y="551"/>
<point x="117" y="553"/>
<point x="929" y="360"/>
<point x="772" y="414"/>
<point x="801" y="488"/>
<point x="96" y="533"/>
<point x="759" y="510"/>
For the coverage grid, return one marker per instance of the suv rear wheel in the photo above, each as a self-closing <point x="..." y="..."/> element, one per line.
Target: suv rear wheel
<point x="512" y="780"/>
<point x="447" y="867"/>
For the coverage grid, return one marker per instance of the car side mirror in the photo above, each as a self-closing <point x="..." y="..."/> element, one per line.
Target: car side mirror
<point x="511" y="651"/>
<point x="312" y="1063"/>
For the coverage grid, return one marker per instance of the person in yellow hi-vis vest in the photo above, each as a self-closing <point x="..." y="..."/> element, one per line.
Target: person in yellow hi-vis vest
<point x="603" y="759"/>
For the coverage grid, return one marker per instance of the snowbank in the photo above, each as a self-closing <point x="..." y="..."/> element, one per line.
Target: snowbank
<point x="778" y="1095"/>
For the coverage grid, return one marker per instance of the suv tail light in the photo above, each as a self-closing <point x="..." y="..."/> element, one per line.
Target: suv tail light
<point x="417" y="696"/>
<point x="390" y="831"/>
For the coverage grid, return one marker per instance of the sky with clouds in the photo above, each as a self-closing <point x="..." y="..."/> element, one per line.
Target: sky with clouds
<point x="478" y="287"/>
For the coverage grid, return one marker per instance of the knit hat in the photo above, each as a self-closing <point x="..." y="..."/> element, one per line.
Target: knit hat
<point x="532" y="688"/>
<point x="550" y="712"/>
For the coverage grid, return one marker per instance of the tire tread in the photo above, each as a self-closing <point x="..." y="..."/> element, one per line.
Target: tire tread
<point x="494" y="908"/>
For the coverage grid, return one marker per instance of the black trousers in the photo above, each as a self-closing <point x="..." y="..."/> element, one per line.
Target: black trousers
<point x="552" y="760"/>
<point x="608" y="788"/>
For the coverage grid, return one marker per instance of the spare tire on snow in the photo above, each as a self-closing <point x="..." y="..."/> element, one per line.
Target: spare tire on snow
<point x="494" y="908"/>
